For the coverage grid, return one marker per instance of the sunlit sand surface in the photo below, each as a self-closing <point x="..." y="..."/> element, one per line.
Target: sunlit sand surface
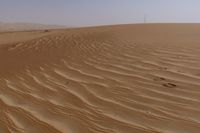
<point x="111" y="79"/>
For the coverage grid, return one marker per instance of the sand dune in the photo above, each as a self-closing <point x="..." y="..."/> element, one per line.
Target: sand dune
<point x="111" y="79"/>
<point x="5" y="27"/>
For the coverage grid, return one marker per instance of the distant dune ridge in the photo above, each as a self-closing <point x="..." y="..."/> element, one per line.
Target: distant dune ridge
<point x="142" y="78"/>
<point x="26" y="26"/>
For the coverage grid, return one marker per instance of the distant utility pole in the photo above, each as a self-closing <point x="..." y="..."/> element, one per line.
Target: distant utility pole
<point x="145" y="19"/>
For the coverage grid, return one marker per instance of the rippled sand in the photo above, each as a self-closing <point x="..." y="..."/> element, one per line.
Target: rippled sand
<point x="112" y="79"/>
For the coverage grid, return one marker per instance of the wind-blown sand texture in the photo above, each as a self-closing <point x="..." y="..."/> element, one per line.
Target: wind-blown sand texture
<point x="111" y="79"/>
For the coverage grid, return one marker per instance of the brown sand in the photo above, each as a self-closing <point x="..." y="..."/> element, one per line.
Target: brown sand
<point x="112" y="79"/>
<point x="4" y="27"/>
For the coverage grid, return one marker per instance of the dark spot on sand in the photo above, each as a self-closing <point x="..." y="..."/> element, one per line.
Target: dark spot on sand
<point x="169" y="85"/>
<point x="159" y="79"/>
<point x="46" y="30"/>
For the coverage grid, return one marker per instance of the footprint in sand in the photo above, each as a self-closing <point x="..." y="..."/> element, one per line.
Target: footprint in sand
<point x="159" y="79"/>
<point x="169" y="85"/>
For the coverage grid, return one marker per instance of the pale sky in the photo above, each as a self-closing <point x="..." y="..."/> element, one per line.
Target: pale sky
<point x="99" y="12"/>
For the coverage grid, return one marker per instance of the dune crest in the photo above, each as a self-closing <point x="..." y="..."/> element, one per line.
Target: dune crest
<point x="111" y="79"/>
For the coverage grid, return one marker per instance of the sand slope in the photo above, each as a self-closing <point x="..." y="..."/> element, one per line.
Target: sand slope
<point x="112" y="79"/>
<point x="26" y="27"/>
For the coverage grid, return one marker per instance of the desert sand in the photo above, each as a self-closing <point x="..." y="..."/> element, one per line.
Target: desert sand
<point x="140" y="78"/>
<point x="5" y="27"/>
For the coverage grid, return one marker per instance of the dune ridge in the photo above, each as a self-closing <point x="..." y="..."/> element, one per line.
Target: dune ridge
<point x="110" y="79"/>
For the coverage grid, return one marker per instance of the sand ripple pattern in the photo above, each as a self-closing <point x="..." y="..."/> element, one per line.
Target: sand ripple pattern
<point x="94" y="81"/>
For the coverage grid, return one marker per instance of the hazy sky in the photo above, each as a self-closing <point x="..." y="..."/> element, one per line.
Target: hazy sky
<point x="98" y="12"/>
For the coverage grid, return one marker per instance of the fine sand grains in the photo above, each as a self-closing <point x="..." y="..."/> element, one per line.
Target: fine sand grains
<point x="112" y="79"/>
